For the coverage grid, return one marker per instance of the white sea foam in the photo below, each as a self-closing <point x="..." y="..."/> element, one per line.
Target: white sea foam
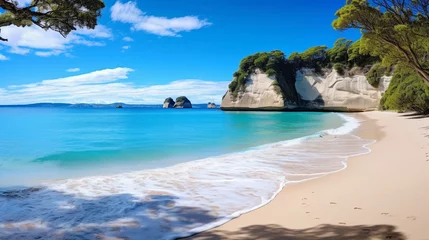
<point x="175" y="201"/>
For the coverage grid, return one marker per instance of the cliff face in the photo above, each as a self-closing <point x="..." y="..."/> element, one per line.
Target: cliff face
<point x="258" y="93"/>
<point x="335" y="92"/>
<point x="326" y="93"/>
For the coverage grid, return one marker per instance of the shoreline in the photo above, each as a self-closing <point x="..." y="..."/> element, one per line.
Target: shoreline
<point x="292" y="215"/>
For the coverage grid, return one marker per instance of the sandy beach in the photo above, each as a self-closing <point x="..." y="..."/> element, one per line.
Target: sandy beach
<point x="381" y="195"/>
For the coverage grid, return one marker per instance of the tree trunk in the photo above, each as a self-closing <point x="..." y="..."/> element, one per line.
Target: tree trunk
<point x="424" y="75"/>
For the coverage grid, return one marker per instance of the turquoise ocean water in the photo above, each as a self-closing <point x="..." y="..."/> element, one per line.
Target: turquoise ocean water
<point x="39" y="144"/>
<point x="158" y="173"/>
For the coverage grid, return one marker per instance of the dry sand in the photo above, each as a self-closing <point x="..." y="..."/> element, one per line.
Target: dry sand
<point x="381" y="195"/>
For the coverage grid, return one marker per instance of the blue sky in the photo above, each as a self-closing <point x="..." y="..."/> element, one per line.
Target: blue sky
<point x="145" y="51"/>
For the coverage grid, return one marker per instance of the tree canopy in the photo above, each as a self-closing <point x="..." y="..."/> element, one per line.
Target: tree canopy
<point x="395" y="30"/>
<point x="62" y="16"/>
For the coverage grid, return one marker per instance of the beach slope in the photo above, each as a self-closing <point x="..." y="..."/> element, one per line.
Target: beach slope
<point x="381" y="195"/>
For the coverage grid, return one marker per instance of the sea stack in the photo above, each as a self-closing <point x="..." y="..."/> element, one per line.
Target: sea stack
<point x="169" y="103"/>
<point x="211" y="105"/>
<point x="183" y="102"/>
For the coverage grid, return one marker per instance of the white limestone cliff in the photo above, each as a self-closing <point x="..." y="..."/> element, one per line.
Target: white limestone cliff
<point x="335" y="92"/>
<point x="327" y="93"/>
<point x="259" y="93"/>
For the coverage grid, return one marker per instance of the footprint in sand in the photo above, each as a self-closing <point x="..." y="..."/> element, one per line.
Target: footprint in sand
<point x="412" y="218"/>
<point x="304" y="199"/>
<point x="342" y="223"/>
<point x="307" y="212"/>
<point x="385" y="213"/>
<point x="358" y="208"/>
<point x="332" y="203"/>
<point x="317" y="218"/>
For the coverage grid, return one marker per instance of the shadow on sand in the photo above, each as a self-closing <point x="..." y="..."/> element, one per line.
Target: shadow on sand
<point x="321" y="232"/>
<point x="41" y="213"/>
<point x="414" y="115"/>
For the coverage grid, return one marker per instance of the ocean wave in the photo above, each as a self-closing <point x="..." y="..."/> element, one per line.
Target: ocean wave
<point x="175" y="201"/>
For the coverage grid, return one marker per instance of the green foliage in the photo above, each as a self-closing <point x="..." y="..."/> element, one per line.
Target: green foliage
<point x="62" y="16"/>
<point x="169" y="100"/>
<point x="339" y="53"/>
<point x="396" y="31"/>
<point x="182" y="99"/>
<point x="407" y="92"/>
<point x="374" y="75"/>
<point x="339" y="67"/>
<point x="271" y="72"/>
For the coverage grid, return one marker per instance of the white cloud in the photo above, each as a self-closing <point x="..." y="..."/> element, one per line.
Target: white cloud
<point x="3" y="57"/>
<point x="106" y="86"/>
<point x="128" y="39"/>
<point x="73" y="70"/>
<point x="126" y="47"/>
<point x="23" y="40"/>
<point x="20" y="51"/>
<point x="162" y="26"/>
<point x="48" y="53"/>
<point x="99" y="31"/>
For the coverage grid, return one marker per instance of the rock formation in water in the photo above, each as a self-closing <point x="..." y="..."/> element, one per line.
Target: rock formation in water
<point x="169" y="103"/>
<point x="329" y="92"/>
<point x="211" y="105"/>
<point x="182" y="102"/>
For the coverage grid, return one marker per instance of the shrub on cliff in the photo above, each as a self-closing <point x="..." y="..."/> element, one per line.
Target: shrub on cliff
<point x="374" y="75"/>
<point x="407" y="92"/>
<point x="339" y="67"/>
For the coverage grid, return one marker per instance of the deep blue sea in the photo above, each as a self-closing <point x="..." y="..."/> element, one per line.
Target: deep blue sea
<point x="163" y="173"/>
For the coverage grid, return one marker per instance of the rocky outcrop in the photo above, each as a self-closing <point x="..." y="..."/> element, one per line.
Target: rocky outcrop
<point x="331" y="92"/>
<point x="169" y="103"/>
<point x="183" y="102"/>
<point x="211" y="105"/>
<point x="334" y="92"/>
<point x="259" y="93"/>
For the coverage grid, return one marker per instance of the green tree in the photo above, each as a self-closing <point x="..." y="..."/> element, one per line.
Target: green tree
<point x="395" y="30"/>
<point x="338" y="54"/>
<point x="62" y="16"/>
<point x="407" y="92"/>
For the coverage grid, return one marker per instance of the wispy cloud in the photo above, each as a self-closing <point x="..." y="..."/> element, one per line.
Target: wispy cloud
<point x="73" y="70"/>
<point x="107" y="86"/>
<point x="50" y="43"/>
<point x="126" y="47"/>
<point x="3" y="57"/>
<point x="129" y="13"/>
<point x="128" y="39"/>
<point x="20" y="51"/>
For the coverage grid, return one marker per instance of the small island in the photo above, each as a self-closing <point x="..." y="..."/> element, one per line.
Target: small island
<point x="211" y="105"/>
<point x="181" y="102"/>
<point x="168" y="103"/>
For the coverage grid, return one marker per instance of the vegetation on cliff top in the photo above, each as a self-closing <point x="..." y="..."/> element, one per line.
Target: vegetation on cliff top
<point x="397" y="31"/>
<point x="272" y="63"/>
<point x="182" y="99"/>
<point x="169" y="100"/>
